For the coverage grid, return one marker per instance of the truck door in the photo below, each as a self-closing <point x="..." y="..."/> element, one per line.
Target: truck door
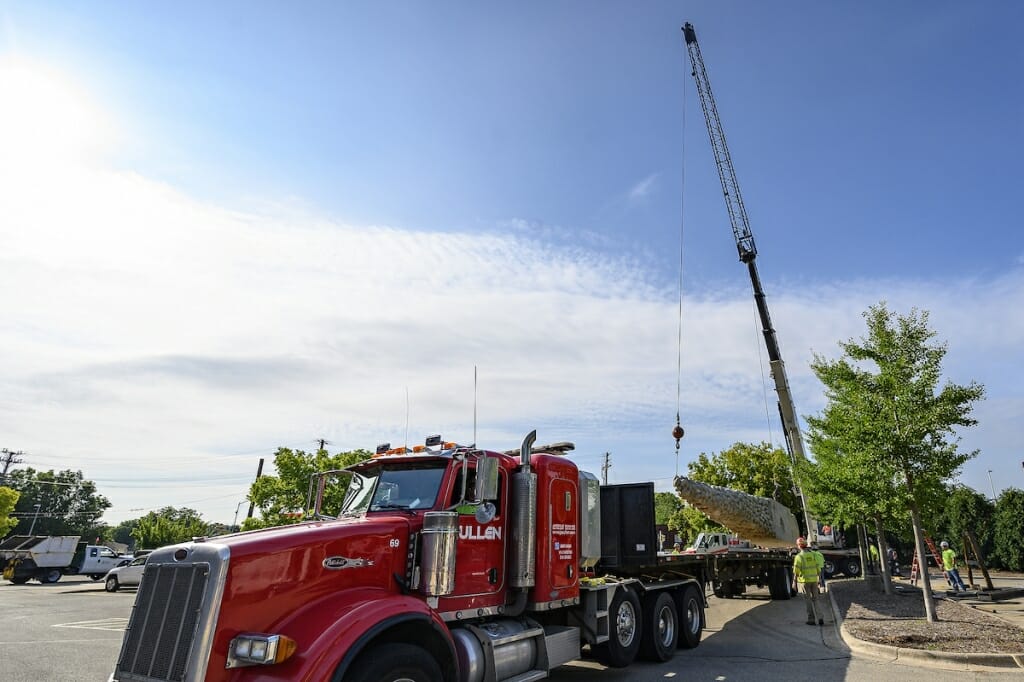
<point x="480" y="549"/>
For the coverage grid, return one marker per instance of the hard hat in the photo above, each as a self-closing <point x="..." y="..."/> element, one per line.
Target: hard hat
<point x="943" y="544"/>
<point x="801" y="542"/>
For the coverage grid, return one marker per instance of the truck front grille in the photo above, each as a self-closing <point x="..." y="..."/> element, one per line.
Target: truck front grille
<point x="170" y="631"/>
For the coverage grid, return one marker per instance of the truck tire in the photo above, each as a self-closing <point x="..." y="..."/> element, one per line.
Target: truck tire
<point x="829" y="569"/>
<point x="111" y="584"/>
<point x="20" y="580"/>
<point x="690" y="605"/>
<point x="623" y="643"/>
<point x="395" y="663"/>
<point x="851" y="567"/>
<point x="660" y="627"/>
<point x="50" y="575"/>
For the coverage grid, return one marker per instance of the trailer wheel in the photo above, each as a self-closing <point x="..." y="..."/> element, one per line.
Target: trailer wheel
<point x="690" y="605"/>
<point x="624" y="638"/>
<point x="661" y="627"/>
<point x="851" y="567"/>
<point x="829" y="569"/>
<point x="111" y="585"/>
<point x="50" y="576"/>
<point x="395" y="663"/>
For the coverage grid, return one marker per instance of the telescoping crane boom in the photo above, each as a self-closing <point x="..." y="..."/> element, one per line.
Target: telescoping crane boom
<point x="748" y="255"/>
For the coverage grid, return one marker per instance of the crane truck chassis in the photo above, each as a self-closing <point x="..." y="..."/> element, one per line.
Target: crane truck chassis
<point x="445" y="563"/>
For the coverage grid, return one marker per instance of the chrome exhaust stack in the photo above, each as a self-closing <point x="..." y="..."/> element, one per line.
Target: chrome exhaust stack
<point x="524" y="519"/>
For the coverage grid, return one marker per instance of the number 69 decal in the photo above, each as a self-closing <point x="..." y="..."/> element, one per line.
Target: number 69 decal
<point x="395" y="542"/>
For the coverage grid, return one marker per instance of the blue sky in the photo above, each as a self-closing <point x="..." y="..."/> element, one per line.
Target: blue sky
<point x="240" y="226"/>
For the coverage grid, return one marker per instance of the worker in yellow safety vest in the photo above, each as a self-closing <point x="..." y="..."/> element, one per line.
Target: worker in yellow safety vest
<point x="949" y="568"/>
<point x="806" y="573"/>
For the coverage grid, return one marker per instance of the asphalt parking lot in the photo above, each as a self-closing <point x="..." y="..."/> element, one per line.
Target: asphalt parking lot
<point x="68" y="630"/>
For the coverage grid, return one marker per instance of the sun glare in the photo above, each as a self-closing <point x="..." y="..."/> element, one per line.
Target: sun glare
<point x="45" y="119"/>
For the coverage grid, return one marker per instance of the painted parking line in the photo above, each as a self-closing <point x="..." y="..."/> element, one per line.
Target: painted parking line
<point x="109" y="624"/>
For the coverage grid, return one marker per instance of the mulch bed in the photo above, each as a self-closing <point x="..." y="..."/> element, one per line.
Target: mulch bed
<point x="899" y="620"/>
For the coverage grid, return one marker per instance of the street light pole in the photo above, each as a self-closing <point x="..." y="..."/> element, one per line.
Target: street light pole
<point x="991" y="485"/>
<point x="234" y="524"/>
<point x="33" y="526"/>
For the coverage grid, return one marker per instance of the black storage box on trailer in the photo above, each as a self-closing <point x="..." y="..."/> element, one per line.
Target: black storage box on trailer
<point x="628" y="537"/>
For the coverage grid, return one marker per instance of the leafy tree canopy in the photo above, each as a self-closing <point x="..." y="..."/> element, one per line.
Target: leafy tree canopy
<point x="888" y="430"/>
<point x="168" y="526"/>
<point x="1009" y="529"/>
<point x="665" y="505"/>
<point x="8" y="498"/>
<point x="966" y="509"/>
<point x="68" y="504"/>
<point x="281" y="499"/>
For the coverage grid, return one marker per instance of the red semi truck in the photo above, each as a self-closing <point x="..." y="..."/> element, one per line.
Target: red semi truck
<point x="444" y="563"/>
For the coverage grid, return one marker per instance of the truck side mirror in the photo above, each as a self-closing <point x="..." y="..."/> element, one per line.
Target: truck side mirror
<point x="486" y="486"/>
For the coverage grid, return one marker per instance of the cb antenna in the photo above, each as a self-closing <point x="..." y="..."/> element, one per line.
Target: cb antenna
<point x="474" y="406"/>
<point x="407" y="417"/>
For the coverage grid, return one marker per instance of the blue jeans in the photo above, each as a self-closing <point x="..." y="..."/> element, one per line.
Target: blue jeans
<point x="954" y="577"/>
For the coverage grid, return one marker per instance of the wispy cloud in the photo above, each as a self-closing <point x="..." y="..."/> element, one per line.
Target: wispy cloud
<point x="644" y="188"/>
<point x="143" y="329"/>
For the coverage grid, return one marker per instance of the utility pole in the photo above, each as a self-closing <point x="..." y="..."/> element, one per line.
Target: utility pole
<point x="259" y="472"/>
<point x="7" y="458"/>
<point x="992" y="486"/>
<point x="322" y="442"/>
<point x="606" y="466"/>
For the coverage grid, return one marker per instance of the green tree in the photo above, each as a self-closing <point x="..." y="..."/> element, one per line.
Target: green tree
<point x="122" y="532"/>
<point x="281" y="499"/>
<point x="965" y="509"/>
<point x="887" y="421"/>
<point x="665" y="505"/>
<point x="68" y="504"/>
<point x="8" y="500"/>
<point x="1009" y="529"/>
<point x="168" y="526"/>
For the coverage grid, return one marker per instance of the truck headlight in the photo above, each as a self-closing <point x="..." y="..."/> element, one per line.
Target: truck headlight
<point x="251" y="648"/>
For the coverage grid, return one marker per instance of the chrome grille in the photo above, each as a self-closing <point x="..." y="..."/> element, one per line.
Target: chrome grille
<point x="170" y="631"/>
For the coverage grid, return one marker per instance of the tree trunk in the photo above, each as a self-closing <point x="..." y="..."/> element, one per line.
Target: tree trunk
<point x="922" y="558"/>
<point x="883" y="555"/>
<point x="862" y="548"/>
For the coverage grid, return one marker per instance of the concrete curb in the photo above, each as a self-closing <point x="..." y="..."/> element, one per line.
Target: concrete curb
<point x="923" y="657"/>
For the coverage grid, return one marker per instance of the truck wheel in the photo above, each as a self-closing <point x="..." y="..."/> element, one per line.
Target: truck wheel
<point x="661" y="627"/>
<point x="691" y="612"/>
<point x="852" y="567"/>
<point x="50" y="576"/>
<point x="395" y="663"/>
<point x="111" y="585"/>
<point x="829" y="569"/>
<point x="20" y="580"/>
<point x="624" y="638"/>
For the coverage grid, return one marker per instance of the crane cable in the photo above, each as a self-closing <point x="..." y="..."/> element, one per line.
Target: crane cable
<point x="678" y="432"/>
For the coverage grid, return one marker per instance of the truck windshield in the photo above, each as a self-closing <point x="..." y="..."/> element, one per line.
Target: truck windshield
<point x="394" y="487"/>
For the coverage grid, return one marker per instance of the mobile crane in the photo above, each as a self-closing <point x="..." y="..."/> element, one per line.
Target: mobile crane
<point x="748" y="255"/>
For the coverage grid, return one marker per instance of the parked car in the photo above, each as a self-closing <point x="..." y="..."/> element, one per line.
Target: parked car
<point x="124" y="576"/>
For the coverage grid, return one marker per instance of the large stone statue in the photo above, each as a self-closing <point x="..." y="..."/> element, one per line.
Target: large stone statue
<point x="761" y="520"/>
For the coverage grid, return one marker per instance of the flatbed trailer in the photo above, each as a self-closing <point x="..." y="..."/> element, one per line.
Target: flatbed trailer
<point x="629" y="548"/>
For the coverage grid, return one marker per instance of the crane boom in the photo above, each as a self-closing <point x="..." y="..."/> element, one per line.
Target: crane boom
<point x="748" y="255"/>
